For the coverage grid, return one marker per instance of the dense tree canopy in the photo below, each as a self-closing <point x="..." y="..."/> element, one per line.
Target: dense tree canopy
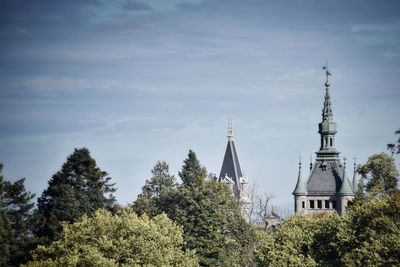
<point x="380" y="174"/>
<point x="150" y="201"/>
<point x="367" y="235"/>
<point x="79" y="187"/>
<point x="123" y="239"/>
<point x="15" y="222"/>
<point x="209" y="214"/>
<point x="192" y="173"/>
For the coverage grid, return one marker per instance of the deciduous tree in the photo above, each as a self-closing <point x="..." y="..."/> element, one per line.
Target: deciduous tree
<point x="380" y="174"/>
<point x="123" y="239"/>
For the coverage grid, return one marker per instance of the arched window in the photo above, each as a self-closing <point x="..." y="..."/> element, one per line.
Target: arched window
<point x="331" y="141"/>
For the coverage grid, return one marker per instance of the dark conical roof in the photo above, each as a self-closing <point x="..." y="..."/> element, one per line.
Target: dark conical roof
<point x="231" y="165"/>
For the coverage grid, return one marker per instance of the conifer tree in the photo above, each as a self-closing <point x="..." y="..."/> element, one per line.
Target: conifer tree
<point x="80" y="187"/>
<point x="161" y="182"/>
<point x="192" y="173"/>
<point x="15" y="222"/>
<point x="210" y="217"/>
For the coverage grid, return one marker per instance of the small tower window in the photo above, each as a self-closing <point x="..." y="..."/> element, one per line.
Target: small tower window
<point x="326" y="204"/>
<point x="326" y="141"/>
<point x="331" y="143"/>
<point x="319" y="204"/>
<point x="312" y="204"/>
<point x="303" y="204"/>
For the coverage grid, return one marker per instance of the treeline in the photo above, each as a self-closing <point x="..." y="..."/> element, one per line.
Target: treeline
<point x="191" y="222"/>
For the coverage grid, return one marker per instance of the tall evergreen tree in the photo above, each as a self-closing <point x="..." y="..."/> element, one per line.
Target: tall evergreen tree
<point x="16" y="217"/>
<point x="192" y="174"/>
<point x="210" y="217"/>
<point x="161" y="182"/>
<point x="80" y="187"/>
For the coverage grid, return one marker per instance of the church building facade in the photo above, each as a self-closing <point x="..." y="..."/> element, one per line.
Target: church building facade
<point x="327" y="187"/>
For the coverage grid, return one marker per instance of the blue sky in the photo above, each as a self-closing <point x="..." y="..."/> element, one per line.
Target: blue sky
<point x="141" y="81"/>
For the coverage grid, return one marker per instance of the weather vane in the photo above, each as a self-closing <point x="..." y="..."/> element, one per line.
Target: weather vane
<point x="327" y="73"/>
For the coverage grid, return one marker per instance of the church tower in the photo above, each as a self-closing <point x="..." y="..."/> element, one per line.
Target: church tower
<point x="327" y="187"/>
<point x="231" y="174"/>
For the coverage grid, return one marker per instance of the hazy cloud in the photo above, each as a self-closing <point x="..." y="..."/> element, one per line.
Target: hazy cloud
<point x="136" y="6"/>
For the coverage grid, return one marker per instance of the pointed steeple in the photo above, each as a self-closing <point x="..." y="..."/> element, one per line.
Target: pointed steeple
<point x="346" y="188"/>
<point x="231" y="166"/>
<point x="327" y="127"/>
<point x="301" y="187"/>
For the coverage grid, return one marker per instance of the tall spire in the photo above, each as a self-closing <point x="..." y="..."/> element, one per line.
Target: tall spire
<point x="231" y="165"/>
<point x="327" y="128"/>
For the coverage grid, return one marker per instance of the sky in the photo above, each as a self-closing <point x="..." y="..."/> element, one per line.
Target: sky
<point x="142" y="81"/>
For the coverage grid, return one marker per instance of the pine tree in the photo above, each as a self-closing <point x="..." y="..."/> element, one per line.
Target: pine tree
<point x="80" y="187"/>
<point x="210" y="217"/>
<point x="16" y="219"/>
<point x="161" y="182"/>
<point x="192" y="174"/>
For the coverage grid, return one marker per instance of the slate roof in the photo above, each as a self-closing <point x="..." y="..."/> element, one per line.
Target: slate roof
<point x="301" y="186"/>
<point x="231" y="165"/>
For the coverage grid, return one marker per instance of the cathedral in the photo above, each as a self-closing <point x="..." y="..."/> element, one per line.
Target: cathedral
<point x="327" y="187"/>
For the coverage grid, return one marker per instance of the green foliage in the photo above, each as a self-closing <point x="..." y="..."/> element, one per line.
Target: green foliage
<point x="80" y="187"/>
<point x="15" y="222"/>
<point x="264" y="243"/>
<point x="367" y="235"/>
<point x="192" y="173"/>
<point x="212" y="224"/>
<point x="371" y="236"/>
<point x="161" y="182"/>
<point x="207" y="211"/>
<point x="380" y="174"/>
<point x="123" y="239"/>
<point x="394" y="148"/>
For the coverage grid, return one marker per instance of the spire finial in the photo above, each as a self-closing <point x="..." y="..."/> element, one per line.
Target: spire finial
<point x="300" y="161"/>
<point x="230" y="131"/>
<point x="327" y="74"/>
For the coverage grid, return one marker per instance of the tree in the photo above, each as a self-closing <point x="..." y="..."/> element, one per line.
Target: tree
<point x="123" y="239"/>
<point x="213" y="224"/>
<point x="16" y="219"/>
<point x="372" y="232"/>
<point x="394" y="148"/>
<point x="380" y="174"/>
<point x="79" y="187"/>
<point x="263" y="208"/>
<point x="302" y="241"/>
<point x="192" y="174"/>
<point x="207" y="211"/>
<point x="161" y="182"/>
<point x="210" y="217"/>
